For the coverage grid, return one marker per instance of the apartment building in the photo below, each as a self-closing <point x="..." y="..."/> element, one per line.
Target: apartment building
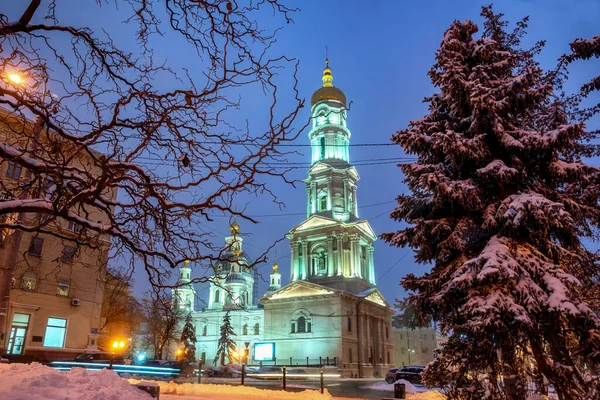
<point x="56" y="290"/>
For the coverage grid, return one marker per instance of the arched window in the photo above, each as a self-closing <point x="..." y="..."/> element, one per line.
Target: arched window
<point x="256" y="328"/>
<point x="245" y="329"/>
<point x="322" y="147"/>
<point x="204" y="330"/>
<point x="323" y="203"/>
<point x="217" y="296"/>
<point x="301" y="324"/>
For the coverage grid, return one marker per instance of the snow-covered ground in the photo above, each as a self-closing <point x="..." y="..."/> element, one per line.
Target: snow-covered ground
<point x="38" y="382"/>
<point x="184" y="391"/>
<point x="412" y="391"/>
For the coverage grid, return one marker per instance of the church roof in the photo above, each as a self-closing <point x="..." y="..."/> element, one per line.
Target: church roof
<point x="316" y="221"/>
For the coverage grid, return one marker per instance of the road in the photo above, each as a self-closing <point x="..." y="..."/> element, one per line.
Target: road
<point x="349" y="388"/>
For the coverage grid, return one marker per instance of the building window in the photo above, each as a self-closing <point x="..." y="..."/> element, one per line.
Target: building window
<point x="256" y="328"/>
<point x="28" y="281"/>
<point x="301" y="324"/>
<point x="204" y="330"/>
<point x="245" y="329"/>
<point x="388" y="358"/>
<point x="62" y="289"/>
<point x="55" y="332"/>
<point x="74" y="227"/>
<point x="293" y="327"/>
<point x="322" y="147"/>
<point x="323" y="203"/>
<point x="203" y="357"/>
<point x="18" y="332"/>
<point x="309" y="326"/>
<point x="35" y="247"/>
<point x="68" y="254"/>
<point x="387" y="333"/>
<point x="349" y="324"/>
<point x="350" y="355"/>
<point x="13" y="171"/>
<point x="217" y="296"/>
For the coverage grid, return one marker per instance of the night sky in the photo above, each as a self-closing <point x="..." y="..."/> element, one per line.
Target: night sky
<point x="380" y="52"/>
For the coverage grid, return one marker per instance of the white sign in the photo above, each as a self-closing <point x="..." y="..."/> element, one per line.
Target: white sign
<point x="264" y="351"/>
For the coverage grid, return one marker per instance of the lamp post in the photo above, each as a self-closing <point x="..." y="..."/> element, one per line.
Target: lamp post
<point x="116" y="346"/>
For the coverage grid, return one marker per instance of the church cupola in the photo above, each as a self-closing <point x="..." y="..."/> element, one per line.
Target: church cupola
<point x="331" y="184"/>
<point x="329" y="136"/>
<point x="185" y="293"/>
<point x="232" y="285"/>
<point x="275" y="279"/>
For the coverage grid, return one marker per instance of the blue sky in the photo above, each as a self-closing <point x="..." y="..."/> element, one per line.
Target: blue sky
<point x="380" y="52"/>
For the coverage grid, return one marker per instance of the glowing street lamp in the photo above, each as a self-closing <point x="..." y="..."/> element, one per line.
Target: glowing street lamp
<point x="116" y="346"/>
<point x="15" y="78"/>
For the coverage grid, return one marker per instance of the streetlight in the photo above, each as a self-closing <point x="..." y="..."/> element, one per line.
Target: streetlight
<point x="15" y="78"/>
<point x="116" y="346"/>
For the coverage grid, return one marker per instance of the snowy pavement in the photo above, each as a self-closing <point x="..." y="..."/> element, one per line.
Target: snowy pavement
<point x="38" y="382"/>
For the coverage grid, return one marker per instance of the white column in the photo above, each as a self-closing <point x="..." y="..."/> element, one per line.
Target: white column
<point x="346" y="205"/>
<point x="308" y="205"/>
<point x="294" y="262"/>
<point x="330" y="240"/>
<point x="313" y="189"/>
<point x="340" y="256"/>
<point x="304" y="258"/>
<point x="329" y="202"/>
<point x="371" y="249"/>
<point x="355" y="201"/>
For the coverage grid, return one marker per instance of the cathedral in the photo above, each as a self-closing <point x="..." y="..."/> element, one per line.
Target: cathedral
<point x="331" y="312"/>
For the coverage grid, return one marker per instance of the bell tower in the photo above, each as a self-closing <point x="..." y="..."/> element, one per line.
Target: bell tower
<point x="332" y="247"/>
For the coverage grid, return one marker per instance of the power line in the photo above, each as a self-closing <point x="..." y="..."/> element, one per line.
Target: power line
<point x="392" y="267"/>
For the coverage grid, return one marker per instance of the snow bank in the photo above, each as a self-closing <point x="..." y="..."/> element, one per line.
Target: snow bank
<point x="247" y="392"/>
<point x="38" y="382"/>
<point x="389" y="387"/>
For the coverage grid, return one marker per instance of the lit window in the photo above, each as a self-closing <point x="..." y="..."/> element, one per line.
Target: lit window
<point x="62" y="289"/>
<point x="13" y="171"/>
<point x="256" y="328"/>
<point x="55" y="332"/>
<point x="35" y="247"/>
<point x="323" y="203"/>
<point x="301" y="324"/>
<point x="68" y="254"/>
<point x="28" y="282"/>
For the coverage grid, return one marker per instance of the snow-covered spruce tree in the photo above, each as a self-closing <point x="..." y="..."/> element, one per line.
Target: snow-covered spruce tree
<point x="585" y="49"/>
<point x="227" y="346"/>
<point x="188" y="340"/>
<point x="499" y="203"/>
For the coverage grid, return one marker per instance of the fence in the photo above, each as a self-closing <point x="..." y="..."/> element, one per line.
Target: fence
<point x="298" y="362"/>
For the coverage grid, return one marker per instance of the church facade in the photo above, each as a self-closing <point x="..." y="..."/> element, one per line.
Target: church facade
<point x="331" y="311"/>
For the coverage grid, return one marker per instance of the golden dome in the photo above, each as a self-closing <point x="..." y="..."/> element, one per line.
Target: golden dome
<point x="275" y="267"/>
<point x="328" y="91"/>
<point x="234" y="227"/>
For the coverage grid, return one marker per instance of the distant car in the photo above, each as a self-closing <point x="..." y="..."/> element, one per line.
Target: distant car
<point x="390" y="377"/>
<point x="411" y="374"/>
<point x="296" y="374"/>
<point x="100" y="357"/>
<point x="269" y="373"/>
